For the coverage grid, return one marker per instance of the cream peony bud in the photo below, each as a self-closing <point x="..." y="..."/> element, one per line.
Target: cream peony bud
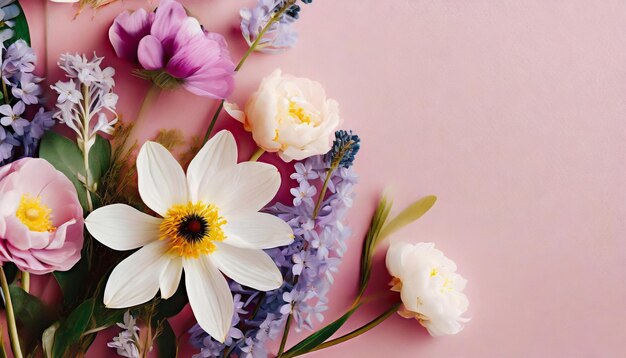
<point x="289" y="115"/>
<point x="430" y="288"/>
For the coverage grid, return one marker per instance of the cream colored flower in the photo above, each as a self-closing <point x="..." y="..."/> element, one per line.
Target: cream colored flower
<point x="289" y="115"/>
<point x="430" y="288"/>
<point x="209" y="222"/>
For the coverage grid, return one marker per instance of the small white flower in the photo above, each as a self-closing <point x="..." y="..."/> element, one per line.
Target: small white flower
<point x="430" y="288"/>
<point x="209" y="222"/>
<point x="67" y="92"/>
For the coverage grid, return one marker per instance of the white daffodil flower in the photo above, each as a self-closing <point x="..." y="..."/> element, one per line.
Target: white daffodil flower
<point x="209" y="222"/>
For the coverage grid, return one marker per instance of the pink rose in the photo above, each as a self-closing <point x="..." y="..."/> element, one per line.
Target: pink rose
<point x="41" y="220"/>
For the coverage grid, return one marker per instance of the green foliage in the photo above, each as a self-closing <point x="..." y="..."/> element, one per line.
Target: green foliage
<point x="99" y="158"/>
<point x="72" y="281"/>
<point x="47" y="339"/>
<point x="381" y="228"/>
<point x="31" y="314"/>
<point x="20" y="28"/>
<point x="67" y="158"/>
<point x="166" y="340"/>
<point x="371" y="239"/>
<point x="319" y="337"/>
<point x="410" y="214"/>
<point x="71" y="329"/>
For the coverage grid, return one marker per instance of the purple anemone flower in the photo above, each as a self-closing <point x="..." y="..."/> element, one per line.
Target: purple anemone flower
<point x="172" y="43"/>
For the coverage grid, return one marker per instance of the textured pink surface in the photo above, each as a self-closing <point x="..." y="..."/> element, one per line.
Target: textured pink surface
<point x="512" y="112"/>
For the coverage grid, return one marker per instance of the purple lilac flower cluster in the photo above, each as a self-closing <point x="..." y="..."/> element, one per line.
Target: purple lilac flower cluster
<point x="308" y="265"/>
<point x="22" y="120"/>
<point x="281" y="35"/>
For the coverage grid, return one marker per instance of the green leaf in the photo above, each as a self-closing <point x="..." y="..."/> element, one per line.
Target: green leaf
<point x="31" y="314"/>
<point x="319" y="337"/>
<point x="104" y="317"/>
<point x="72" y="281"/>
<point x="166" y="340"/>
<point x="407" y="216"/>
<point x="72" y="328"/>
<point x="67" y="158"/>
<point x="99" y="158"/>
<point x="369" y="244"/>
<point x="20" y="28"/>
<point x="47" y="339"/>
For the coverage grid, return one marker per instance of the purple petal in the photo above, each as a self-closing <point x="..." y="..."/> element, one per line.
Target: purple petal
<point x="150" y="53"/>
<point x="127" y="30"/>
<point x="169" y="17"/>
<point x="205" y="65"/>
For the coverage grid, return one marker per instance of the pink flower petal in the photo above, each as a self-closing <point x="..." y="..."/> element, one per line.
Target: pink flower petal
<point x="169" y="17"/>
<point x="150" y="53"/>
<point x="127" y="30"/>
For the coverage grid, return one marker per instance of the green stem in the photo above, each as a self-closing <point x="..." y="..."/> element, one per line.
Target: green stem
<point x="3" y="351"/>
<point x="26" y="281"/>
<point x="283" y="341"/>
<point x="359" y="331"/>
<point x="5" y="92"/>
<point x="8" y="304"/>
<point x="85" y="145"/>
<point x="251" y="49"/>
<point x="256" y="155"/>
<point x="320" y="199"/>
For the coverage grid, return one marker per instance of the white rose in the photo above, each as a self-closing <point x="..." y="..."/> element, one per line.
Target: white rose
<point x="289" y="115"/>
<point x="430" y="288"/>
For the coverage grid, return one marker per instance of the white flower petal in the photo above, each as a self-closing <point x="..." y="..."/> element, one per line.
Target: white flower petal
<point x="249" y="267"/>
<point x="258" y="231"/>
<point x="243" y="189"/>
<point x="162" y="182"/>
<point x="170" y="277"/>
<point x="219" y="153"/>
<point x="122" y="227"/>
<point x="136" y="279"/>
<point x="209" y="296"/>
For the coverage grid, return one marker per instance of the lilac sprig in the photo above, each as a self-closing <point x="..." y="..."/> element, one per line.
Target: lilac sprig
<point x="308" y="265"/>
<point x="22" y="120"/>
<point x="278" y="16"/>
<point x="126" y="343"/>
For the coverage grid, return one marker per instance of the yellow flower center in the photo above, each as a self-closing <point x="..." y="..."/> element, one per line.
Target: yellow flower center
<point x="192" y="229"/>
<point x="433" y="272"/>
<point x="299" y="113"/>
<point x="34" y="214"/>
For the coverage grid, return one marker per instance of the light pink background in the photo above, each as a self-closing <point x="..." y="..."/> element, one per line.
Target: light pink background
<point x="512" y="112"/>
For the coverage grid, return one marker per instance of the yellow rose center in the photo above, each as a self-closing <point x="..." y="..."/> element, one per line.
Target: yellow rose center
<point x="192" y="229"/>
<point x="299" y="113"/>
<point x="35" y="215"/>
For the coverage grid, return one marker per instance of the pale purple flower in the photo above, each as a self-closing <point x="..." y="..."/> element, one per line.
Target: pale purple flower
<point x="280" y="36"/>
<point x="304" y="172"/>
<point x="127" y="341"/>
<point x="303" y="193"/>
<point x="178" y="45"/>
<point x="86" y="76"/>
<point x="67" y="92"/>
<point x="12" y="116"/>
<point x="41" y="122"/>
<point x="19" y="57"/>
<point x="28" y="90"/>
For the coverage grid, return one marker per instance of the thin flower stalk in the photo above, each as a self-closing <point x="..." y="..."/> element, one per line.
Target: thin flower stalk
<point x="8" y="303"/>
<point x="275" y="17"/>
